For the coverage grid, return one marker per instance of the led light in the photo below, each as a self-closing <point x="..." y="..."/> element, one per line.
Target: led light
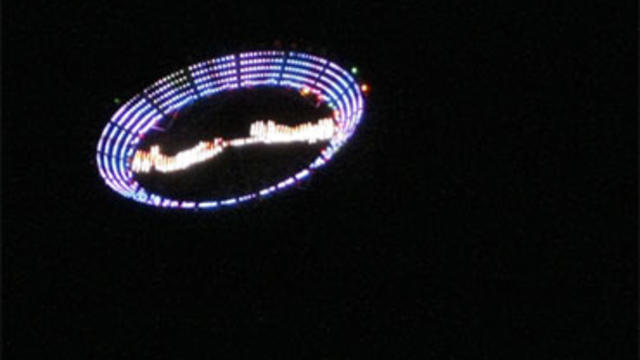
<point x="259" y="132"/>
<point x="188" y="204"/>
<point x="229" y="201"/>
<point x="119" y="156"/>
<point x="302" y="174"/>
<point x="208" y="204"/>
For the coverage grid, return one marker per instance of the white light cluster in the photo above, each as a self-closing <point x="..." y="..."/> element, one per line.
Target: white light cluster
<point x="260" y="132"/>
<point x="270" y="132"/>
<point x="144" y="161"/>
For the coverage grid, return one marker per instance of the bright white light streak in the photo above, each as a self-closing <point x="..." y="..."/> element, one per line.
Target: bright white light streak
<point x="208" y="204"/>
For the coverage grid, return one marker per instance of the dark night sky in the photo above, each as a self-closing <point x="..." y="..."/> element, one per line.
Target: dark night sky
<point x="485" y="208"/>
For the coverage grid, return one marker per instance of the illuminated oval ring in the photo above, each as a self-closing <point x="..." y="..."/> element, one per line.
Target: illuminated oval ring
<point x="146" y="110"/>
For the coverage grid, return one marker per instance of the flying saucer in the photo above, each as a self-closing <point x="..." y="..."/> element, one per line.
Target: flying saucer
<point x="120" y="156"/>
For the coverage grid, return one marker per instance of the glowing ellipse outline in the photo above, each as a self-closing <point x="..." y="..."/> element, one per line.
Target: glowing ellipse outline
<point x="135" y="117"/>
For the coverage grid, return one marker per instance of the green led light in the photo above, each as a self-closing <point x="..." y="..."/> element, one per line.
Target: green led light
<point x="354" y="70"/>
<point x="116" y="100"/>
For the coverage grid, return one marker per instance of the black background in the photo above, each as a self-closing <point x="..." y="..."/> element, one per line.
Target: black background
<point x="484" y="209"/>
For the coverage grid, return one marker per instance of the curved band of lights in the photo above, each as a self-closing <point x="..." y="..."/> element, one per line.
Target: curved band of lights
<point x="148" y="111"/>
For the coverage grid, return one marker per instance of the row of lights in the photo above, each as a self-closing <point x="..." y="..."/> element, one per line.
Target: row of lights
<point x="259" y="132"/>
<point x="305" y="91"/>
<point x="270" y="132"/>
<point x="144" y="161"/>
